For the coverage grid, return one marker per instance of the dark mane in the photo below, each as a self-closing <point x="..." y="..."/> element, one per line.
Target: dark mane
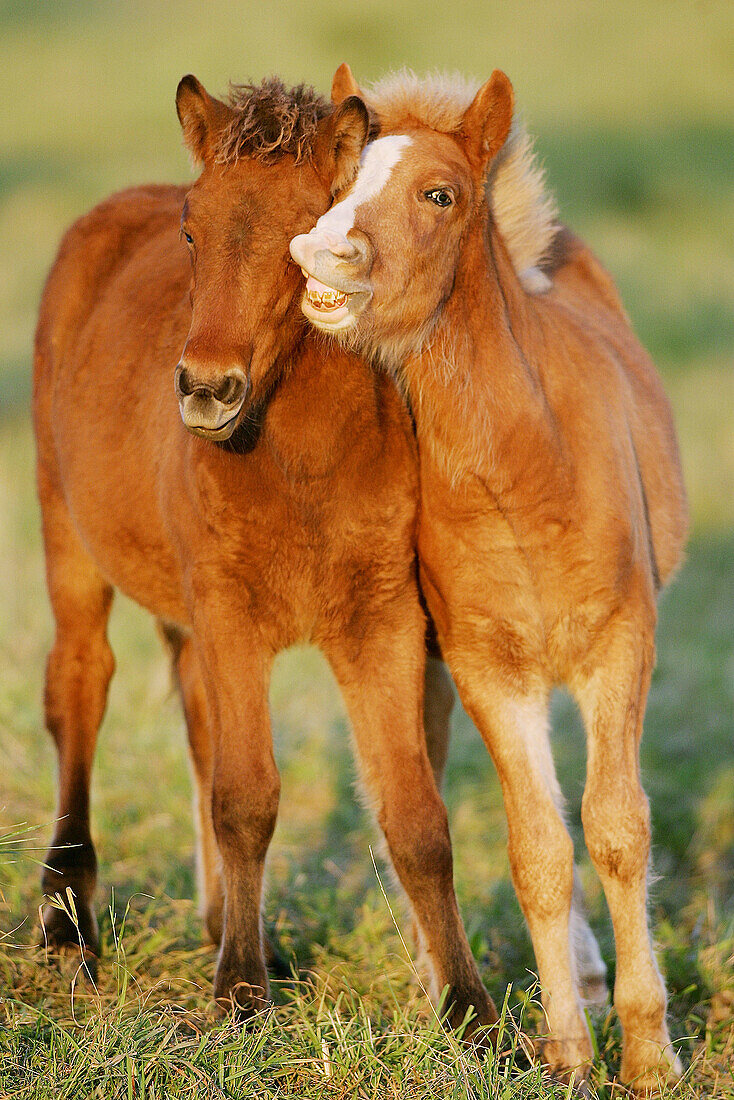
<point x="270" y="120"/>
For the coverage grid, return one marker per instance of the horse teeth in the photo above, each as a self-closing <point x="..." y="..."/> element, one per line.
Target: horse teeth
<point x="327" y="299"/>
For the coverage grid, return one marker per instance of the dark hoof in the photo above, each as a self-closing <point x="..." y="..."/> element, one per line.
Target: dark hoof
<point x="64" y="951"/>
<point x="72" y="960"/>
<point x="68" y="921"/>
<point x="233" y="993"/>
<point x="581" y="1086"/>
<point x="577" y="1079"/>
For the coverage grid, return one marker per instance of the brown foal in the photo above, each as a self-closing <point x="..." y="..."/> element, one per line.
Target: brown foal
<point x="286" y="512"/>
<point x="552" y="502"/>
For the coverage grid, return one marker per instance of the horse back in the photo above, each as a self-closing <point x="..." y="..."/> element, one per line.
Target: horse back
<point x="92" y="252"/>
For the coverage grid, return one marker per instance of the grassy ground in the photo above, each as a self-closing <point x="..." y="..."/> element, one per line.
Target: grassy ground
<point x="632" y="105"/>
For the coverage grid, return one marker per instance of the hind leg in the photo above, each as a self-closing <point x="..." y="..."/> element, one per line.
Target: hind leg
<point x="438" y="703"/>
<point x="589" y="967"/>
<point x="78" y="673"/>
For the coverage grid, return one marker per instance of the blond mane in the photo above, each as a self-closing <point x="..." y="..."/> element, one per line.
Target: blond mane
<point x="524" y="211"/>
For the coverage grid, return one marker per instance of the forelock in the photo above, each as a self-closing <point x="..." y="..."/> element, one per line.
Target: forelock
<point x="270" y="120"/>
<point x="437" y="101"/>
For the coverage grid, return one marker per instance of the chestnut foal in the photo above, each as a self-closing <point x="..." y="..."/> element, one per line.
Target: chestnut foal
<point x="286" y="512"/>
<point x="552" y="502"/>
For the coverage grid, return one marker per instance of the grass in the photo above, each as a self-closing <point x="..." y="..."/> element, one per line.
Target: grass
<point x="632" y="105"/>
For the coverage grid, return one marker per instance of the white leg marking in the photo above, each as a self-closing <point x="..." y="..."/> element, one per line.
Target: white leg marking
<point x="589" y="967"/>
<point x="533" y="721"/>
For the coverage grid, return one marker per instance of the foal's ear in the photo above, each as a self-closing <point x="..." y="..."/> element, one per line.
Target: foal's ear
<point x="340" y="141"/>
<point x="487" y="121"/>
<point x="202" y="117"/>
<point x="343" y="85"/>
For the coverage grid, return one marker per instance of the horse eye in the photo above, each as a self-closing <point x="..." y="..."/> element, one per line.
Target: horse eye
<point x="439" y="196"/>
<point x="187" y="237"/>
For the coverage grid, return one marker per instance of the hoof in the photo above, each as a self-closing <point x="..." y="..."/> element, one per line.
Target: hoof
<point x="577" y="1079"/>
<point x="73" y="958"/>
<point x="568" y="1060"/>
<point x="473" y="1015"/>
<point x="235" y="994"/>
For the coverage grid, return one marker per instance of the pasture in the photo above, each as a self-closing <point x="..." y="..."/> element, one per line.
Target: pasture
<point x="632" y="108"/>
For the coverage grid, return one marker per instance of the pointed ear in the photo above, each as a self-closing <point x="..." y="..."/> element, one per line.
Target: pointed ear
<point x="343" y="85"/>
<point x="487" y="121"/>
<point x="341" y="139"/>
<point x="201" y="116"/>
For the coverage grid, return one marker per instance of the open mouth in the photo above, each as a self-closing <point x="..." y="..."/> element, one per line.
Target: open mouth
<point x="322" y="297"/>
<point x="324" y="303"/>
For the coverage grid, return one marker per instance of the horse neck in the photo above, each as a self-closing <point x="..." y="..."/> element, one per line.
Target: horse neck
<point x="475" y="388"/>
<point x="310" y="422"/>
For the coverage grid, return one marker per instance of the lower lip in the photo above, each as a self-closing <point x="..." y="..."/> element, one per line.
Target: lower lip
<point x="224" y="430"/>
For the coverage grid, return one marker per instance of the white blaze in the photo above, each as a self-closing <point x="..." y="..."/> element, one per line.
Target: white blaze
<point x="375" y="165"/>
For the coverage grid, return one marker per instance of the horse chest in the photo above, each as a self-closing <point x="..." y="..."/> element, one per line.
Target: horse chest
<point x="304" y="551"/>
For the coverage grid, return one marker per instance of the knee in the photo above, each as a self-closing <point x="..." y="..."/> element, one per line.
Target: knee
<point x="245" y="812"/>
<point x="541" y="860"/>
<point x="617" y="830"/>
<point x="78" y="673"/>
<point x="89" y="655"/>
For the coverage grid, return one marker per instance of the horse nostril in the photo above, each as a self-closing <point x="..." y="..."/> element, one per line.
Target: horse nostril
<point x="232" y="388"/>
<point x="183" y="383"/>
<point x="227" y="390"/>
<point x="343" y="248"/>
<point x="360" y="255"/>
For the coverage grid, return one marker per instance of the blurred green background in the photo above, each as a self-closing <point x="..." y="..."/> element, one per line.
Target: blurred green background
<point x="633" y="107"/>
